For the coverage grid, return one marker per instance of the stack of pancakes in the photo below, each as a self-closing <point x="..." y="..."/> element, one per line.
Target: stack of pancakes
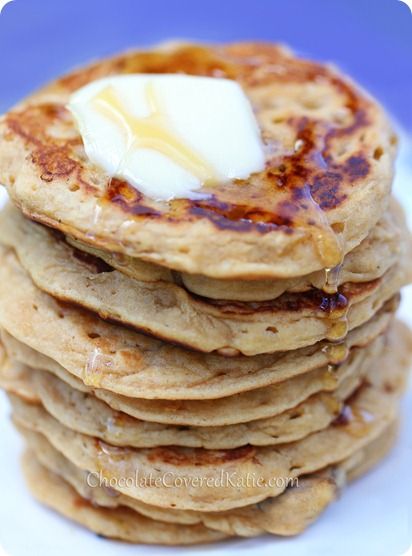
<point x="188" y="371"/>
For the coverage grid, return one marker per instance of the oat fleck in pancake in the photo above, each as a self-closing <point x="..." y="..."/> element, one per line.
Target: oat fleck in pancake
<point x="329" y="153"/>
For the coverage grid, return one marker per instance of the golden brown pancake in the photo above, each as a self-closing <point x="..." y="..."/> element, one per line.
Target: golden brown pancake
<point x="368" y="261"/>
<point x="329" y="153"/>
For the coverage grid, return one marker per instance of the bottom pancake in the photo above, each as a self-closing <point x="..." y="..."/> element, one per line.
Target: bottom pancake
<point x="63" y="487"/>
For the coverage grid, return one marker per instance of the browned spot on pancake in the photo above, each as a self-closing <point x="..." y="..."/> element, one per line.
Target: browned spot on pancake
<point x="54" y="162"/>
<point x="356" y="167"/>
<point x="128" y="198"/>
<point x="54" y="157"/>
<point x="200" y="456"/>
<point x="238" y="217"/>
<point x="279" y="197"/>
<point x="326" y="189"/>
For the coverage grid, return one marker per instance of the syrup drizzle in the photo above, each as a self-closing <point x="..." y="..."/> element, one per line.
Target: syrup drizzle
<point x="152" y="132"/>
<point x="338" y="328"/>
<point x="332" y="279"/>
<point x="109" y="461"/>
<point x="336" y="353"/>
<point x="336" y="306"/>
<point x="314" y="221"/>
<point x="97" y="365"/>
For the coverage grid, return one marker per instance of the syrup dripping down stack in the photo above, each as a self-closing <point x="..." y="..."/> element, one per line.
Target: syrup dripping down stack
<point x="189" y="371"/>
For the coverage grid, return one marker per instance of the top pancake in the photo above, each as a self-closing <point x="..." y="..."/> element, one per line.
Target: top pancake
<point x="329" y="153"/>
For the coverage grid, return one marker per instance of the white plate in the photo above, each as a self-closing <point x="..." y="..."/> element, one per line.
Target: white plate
<point x="373" y="517"/>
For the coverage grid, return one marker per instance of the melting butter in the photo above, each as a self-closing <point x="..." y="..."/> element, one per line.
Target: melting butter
<point x="169" y="135"/>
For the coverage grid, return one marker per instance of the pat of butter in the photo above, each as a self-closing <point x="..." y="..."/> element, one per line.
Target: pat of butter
<point x="168" y="135"/>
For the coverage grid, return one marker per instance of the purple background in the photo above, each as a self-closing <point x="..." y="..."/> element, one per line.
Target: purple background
<point x="370" y="39"/>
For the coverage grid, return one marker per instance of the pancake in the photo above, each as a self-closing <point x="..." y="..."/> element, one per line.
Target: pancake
<point x="288" y="514"/>
<point x="364" y="418"/>
<point x="168" y="311"/>
<point x="368" y="261"/>
<point x="17" y="379"/>
<point x="329" y="157"/>
<point x="261" y="403"/>
<point x="86" y="414"/>
<point x="108" y="356"/>
<point x="120" y="523"/>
